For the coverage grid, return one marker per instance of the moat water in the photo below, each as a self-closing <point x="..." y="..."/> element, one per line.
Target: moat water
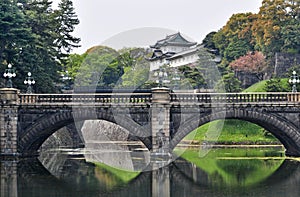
<point x="220" y="172"/>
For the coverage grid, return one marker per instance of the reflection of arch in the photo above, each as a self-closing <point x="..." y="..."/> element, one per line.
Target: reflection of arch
<point x="37" y="133"/>
<point x="32" y="173"/>
<point x="285" y="180"/>
<point x="281" y="128"/>
<point x="34" y="178"/>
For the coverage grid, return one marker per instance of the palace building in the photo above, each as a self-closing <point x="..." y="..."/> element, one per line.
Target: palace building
<point x="175" y="51"/>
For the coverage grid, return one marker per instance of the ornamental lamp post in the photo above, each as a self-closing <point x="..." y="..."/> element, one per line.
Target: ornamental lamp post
<point x="161" y="74"/>
<point x="66" y="80"/>
<point x="9" y="73"/>
<point x="176" y="78"/>
<point x="294" y="80"/>
<point x="29" y="81"/>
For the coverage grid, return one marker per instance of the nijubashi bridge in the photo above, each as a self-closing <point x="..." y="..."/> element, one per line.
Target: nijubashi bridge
<point x="160" y="119"/>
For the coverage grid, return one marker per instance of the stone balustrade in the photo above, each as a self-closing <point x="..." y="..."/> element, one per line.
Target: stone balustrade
<point x="272" y="97"/>
<point x="85" y="98"/>
<point x="266" y="97"/>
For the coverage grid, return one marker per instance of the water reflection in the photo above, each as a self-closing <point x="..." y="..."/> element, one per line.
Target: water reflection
<point x="222" y="173"/>
<point x="132" y="157"/>
<point x="232" y="167"/>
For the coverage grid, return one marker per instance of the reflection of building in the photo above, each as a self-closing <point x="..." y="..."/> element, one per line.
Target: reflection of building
<point x="174" y="50"/>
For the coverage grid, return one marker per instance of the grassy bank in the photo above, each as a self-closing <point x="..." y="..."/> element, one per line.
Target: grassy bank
<point x="262" y="86"/>
<point x="232" y="132"/>
<point x="257" y="87"/>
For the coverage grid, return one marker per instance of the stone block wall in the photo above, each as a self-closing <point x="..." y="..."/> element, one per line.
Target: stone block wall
<point x="283" y="62"/>
<point x="246" y="78"/>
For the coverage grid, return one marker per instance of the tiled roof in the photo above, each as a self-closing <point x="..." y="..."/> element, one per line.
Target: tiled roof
<point x="175" y="40"/>
<point x="158" y="54"/>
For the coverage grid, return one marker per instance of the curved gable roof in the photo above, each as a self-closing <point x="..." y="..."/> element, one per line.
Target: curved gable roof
<point x="175" y="40"/>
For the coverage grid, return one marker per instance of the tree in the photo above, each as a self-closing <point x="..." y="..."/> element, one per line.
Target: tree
<point x="66" y="22"/>
<point x="71" y="65"/>
<point x="136" y="68"/>
<point x="208" y="41"/>
<point x="33" y="37"/>
<point x="252" y="62"/>
<point x="220" y="41"/>
<point x="276" y="85"/>
<point x="40" y="56"/>
<point x="193" y="76"/>
<point x="291" y="36"/>
<point x="208" y="69"/>
<point x="235" y="38"/>
<point x="99" y="68"/>
<point x="229" y="83"/>
<point x="14" y="33"/>
<point x="236" y="48"/>
<point x="273" y="16"/>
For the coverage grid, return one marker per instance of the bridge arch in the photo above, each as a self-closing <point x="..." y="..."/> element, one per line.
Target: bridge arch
<point x="36" y="134"/>
<point x="281" y="128"/>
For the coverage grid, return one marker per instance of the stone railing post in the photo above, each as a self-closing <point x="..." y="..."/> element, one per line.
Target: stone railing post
<point x="160" y="121"/>
<point x="9" y="101"/>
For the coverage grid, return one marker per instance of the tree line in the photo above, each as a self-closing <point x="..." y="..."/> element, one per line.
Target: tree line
<point x="248" y="41"/>
<point x="36" y="38"/>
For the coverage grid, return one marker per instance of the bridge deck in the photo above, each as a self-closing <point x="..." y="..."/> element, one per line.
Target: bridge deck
<point x="211" y="99"/>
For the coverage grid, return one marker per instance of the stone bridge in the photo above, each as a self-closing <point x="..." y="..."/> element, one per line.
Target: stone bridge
<point x="160" y="119"/>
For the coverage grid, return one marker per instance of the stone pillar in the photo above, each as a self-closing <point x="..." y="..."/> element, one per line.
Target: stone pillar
<point x="8" y="121"/>
<point x="9" y="185"/>
<point x="160" y="120"/>
<point x="161" y="182"/>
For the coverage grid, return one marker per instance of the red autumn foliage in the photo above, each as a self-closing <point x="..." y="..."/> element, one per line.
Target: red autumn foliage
<point x="253" y="62"/>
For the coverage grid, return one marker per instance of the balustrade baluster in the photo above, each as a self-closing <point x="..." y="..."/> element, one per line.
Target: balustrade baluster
<point x="268" y="97"/>
<point x="260" y="98"/>
<point x="229" y="98"/>
<point x="32" y="99"/>
<point x="199" y="98"/>
<point x="236" y="98"/>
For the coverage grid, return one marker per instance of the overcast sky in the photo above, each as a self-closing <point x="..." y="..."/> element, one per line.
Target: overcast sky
<point x="140" y="22"/>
